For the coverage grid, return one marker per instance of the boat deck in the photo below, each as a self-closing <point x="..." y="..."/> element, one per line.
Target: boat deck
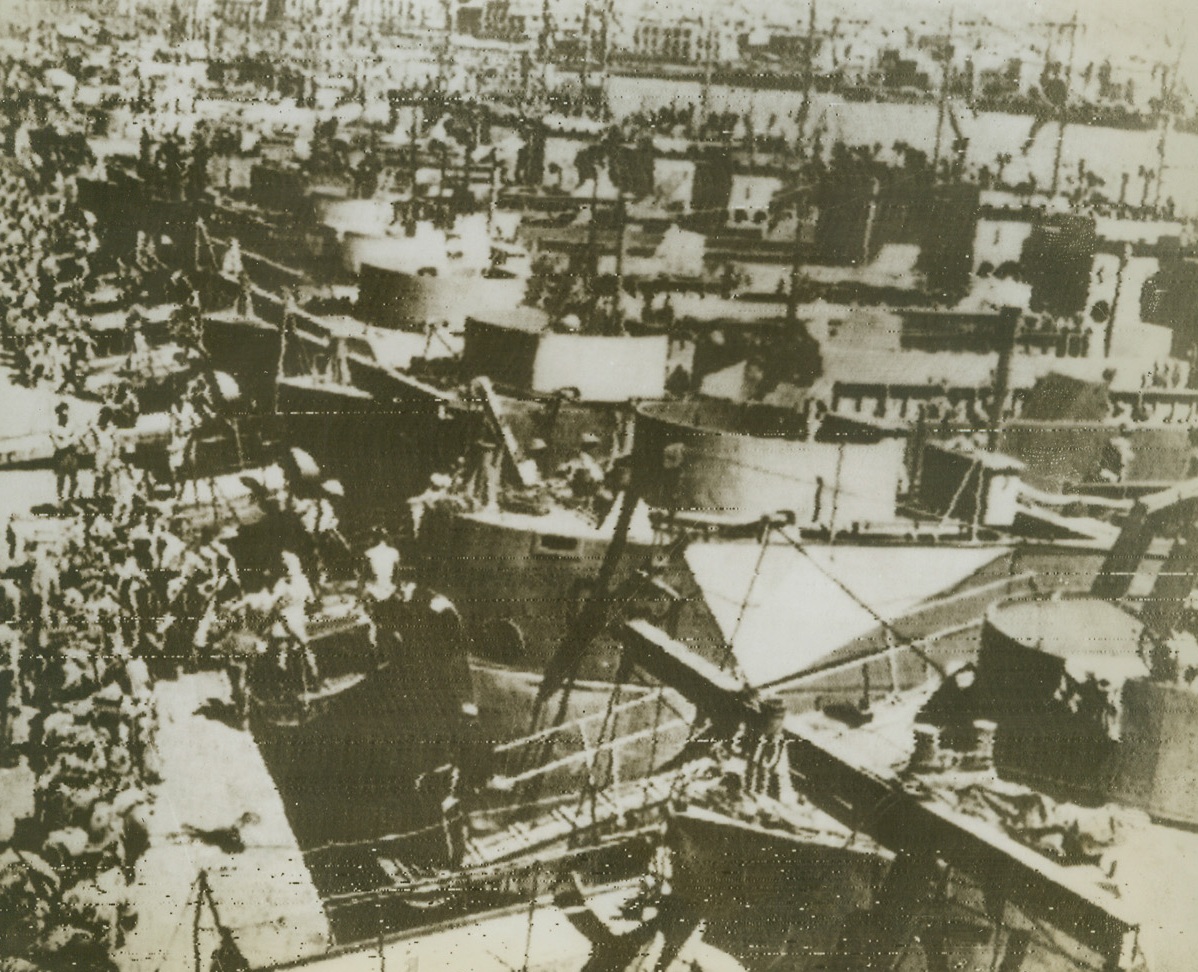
<point x="1150" y="870"/>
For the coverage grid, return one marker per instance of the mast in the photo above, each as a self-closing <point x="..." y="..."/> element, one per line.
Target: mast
<point x="808" y="73"/>
<point x="942" y="102"/>
<point x="413" y="139"/>
<point x="796" y="261"/>
<point x="593" y="252"/>
<point x="1008" y="331"/>
<point x="607" y="14"/>
<point x="708" y="64"/>
<point x="621" y="222"/>
<point x="443" y="55"/>
<point x="1109" y="332"/>
<point x="584" y="77"/>
<point x="1071" y="26"/>
<point x="1166" y="100"/>
<point x="544" y="44"/>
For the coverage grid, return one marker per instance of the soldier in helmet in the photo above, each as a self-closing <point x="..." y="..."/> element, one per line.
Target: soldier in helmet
<point x="324" y="544"/>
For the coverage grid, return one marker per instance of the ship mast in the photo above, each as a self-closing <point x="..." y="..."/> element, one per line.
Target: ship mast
<point x="942" y="102"/>
<point x="798" y="251"/>
<point x="584" y="76"/>
<point x="1071" y="26"/>
<point x="1166" y="101"/>
<point x="808" y="74"/>
<point x="545" y="44"/>
<point x="621" y="224"/>
<point x="444" y="52"/>
<point x="796" y="264"/>
<point x="607" y="15"/>
<point x="592" y="266"/>
<point x="708" y="64"/>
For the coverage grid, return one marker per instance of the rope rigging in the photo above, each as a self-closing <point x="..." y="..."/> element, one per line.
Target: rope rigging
<point x="903" y="639"/>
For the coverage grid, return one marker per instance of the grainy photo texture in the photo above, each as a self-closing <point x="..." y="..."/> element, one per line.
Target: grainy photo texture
<point x="598" y="486"/>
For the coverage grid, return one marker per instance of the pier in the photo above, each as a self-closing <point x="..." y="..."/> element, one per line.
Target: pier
<point x="261" y="892"/>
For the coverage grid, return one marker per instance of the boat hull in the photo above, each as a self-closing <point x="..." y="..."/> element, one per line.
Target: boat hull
<point x="607" y="733"/>
<point x="519" y="582"/>
<point x="246" y="349"/>
<point x="382" y="448"/>
<point x="348" y="764"/>
<point x="770" y="897"/>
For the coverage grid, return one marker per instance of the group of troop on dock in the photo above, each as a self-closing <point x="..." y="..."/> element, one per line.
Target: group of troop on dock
<point x="77" y="723"/>
<point x="45" y="242"/>
<point x="108" y="588"/>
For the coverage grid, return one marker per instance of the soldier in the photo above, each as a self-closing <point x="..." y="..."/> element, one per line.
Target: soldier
<point x="381" y="568"/>
<point x="292" y="594"/>
<point x="245" y="296"/>
<point x="326" y="547"/>
<point x="317" y="513"/>
<point x="132" y="808"/>
<point x="125" y="405"/>
<point x="226" y="582"/>
<point x="221" y="583"/>
<point x="231" y="265"/>
<point x="64" y="438"/>
<point x="184" y="421"/>
<point x="440" y="488"/>
<point x="105" y="451"/>
<point x="585" y="474"/>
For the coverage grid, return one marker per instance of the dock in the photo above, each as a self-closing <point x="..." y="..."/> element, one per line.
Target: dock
<point x="212" y="774"/>
<point x="536" y="935"/>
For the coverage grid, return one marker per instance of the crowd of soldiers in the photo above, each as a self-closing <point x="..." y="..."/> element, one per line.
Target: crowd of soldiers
<point x="92" y="596"/>
<point x="45" y="243"/>
<point x="116" y="587"/>
<point x="98" y="598"/>
<point x="78" y="714"/>
<point x="86" y="608"/>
